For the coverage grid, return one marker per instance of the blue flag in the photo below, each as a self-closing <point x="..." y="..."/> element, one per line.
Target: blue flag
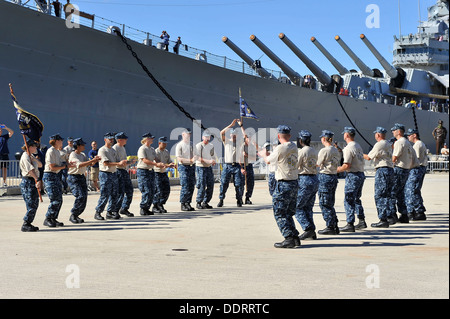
<point x="246" y="111"/>
<point x="29" y="124"/>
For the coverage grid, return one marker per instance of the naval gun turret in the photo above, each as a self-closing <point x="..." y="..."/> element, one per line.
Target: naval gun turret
<point x="339" y="67"/>
<point x="397" y="75"/>
<point x="361" y="65"/>
<point x="328" y="83"/>
<point x="296" y="78"/>
<point x="261" y="71"/>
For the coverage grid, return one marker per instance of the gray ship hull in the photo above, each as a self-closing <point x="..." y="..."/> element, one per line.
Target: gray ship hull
<point x="84" y="83"/>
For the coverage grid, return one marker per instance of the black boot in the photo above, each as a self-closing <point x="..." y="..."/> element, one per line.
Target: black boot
<point x="308" y="234"/>
<point x="248" y="201"/>
<point x="49" y="222"/>
<point x="156" y="209"/>
<point x="27" y="227"/>
<point x="199" y="205"/>
<point x="420" y="216"/>
<point x="349" y="228"/>
<point x="206" y="206"/>
<point x="404" y="219"/>
<point x="392" y="220"/>
<point x="383" y="223"/>
<point x="191" y="209"/>
<point x="361" y="224"/>
<point x="145" y="212"/>
<point x="74" y="219"/>
<point x="289" y="242"/>
<point x="184" y="207"/>
<point x="220" y="204"/>
<point x="97" y="216"/>
<point x="239" y="203"/>
<point x="125" y="212"/>
<point x="162" y="209"/>
<point x="332" y="230"/>
<point x="57" y="223"/>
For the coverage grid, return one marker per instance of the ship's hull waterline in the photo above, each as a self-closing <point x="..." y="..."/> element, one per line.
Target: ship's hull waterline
<point x="84" y="83"/>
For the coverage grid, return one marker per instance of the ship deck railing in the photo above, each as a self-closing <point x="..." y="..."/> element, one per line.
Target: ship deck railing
<point x="102" y="24"/>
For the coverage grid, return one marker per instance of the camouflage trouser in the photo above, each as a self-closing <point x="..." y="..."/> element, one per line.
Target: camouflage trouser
<point x="250" y="180"/>
<point x="384" y="181"/>
<point x="238" y="179"/>
<point x="354" y="183"/>
<point x="327" y="195"/>
<point x="78" y="187"/>
<point x="187" y="182"/>
<point x="108" y="192"/>
<point x="125" y="189"/>
<point x="284" y="202"/>
<point x="53" y="187"/>
<point x="306" y="196"/>
<point x="272" y="183"/>
<point x="162" y="188"/>
<point x="146" y="184"/>
<point x="205" y="184"/>
<point x="31" y="198"/>
<point x="413" y="187"/>
<point x="398" y="191"/>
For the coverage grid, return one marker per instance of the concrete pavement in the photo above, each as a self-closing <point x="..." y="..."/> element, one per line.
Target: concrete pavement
<point x="224" y="253"/>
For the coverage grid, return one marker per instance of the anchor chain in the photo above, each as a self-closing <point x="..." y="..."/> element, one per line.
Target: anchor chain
<point x="163" y="90"/>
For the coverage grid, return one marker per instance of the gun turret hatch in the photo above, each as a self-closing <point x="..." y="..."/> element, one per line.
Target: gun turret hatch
<point x="261" y="71"/>
<point x="363" y="67"/>
<point x="296" y="78"/>
<point x="323" y="77"/>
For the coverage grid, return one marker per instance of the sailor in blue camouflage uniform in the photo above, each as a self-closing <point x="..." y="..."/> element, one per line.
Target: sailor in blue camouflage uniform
<point x="125" y="186"/>
<point x="414" y="183"/>
<point x="52" y="180"/>
<point x="354" y="181"/>
<point x="328" y="161"/>
<point x="308" y="185"/>
<point x="109" y="183"/>
<point x="232" y="167"/>
<point x="402" y="159"/>
<point x="381" y="155"/>
<point x="184" y="151"/>
<point x="76" y="178"/>
<point x="29" y="167"/>
<point x="162" y="181"/>
<point x="205" y="175"/>
<point x="285" y="195"/>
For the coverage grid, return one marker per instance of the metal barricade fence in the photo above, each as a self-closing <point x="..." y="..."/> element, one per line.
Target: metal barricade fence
<point x="13" y="176"/>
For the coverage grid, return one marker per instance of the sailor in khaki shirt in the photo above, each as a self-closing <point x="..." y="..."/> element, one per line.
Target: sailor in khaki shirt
<point x="381" y="154"/>
<point x="308" y="184"/>
<point x="285" y="194"/>
<point x="205" y="176"/>
<point x="162" y="181"/>
<point x="77" y="180"/>
<point x="402" y="159"/>
<point x="413" y="187"/>
<point x="354" y="181"/>
<point x="109" y="183"/>
<point x="29" y="167"/>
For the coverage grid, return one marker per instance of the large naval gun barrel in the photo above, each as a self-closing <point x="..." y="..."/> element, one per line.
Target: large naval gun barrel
<point x="397" y="75"/>
<point x="293" y="76"/>
<point x="390" y="70"/>
<point x="338" y="66"/>
<point x="323" y="77"/>
<point x="363" y="67"/>
<point x="261" y="71"/>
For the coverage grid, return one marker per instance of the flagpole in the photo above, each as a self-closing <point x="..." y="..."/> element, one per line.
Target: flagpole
<point x="26" y="145"/>
<point x="242" y="126"/>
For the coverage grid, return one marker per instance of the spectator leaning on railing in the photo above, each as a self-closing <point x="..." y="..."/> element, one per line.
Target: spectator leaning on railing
<point x="4" y="151"/>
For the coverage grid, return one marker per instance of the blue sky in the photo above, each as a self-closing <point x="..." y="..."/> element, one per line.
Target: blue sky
<point x="202" y="23"/>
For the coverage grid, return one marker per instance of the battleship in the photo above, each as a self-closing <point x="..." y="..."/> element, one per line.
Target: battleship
<point x="85" y="81"/>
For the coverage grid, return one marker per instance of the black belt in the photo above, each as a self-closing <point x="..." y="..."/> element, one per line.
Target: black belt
<point x="233" y="164"/>
<point x="188" y="165"/>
